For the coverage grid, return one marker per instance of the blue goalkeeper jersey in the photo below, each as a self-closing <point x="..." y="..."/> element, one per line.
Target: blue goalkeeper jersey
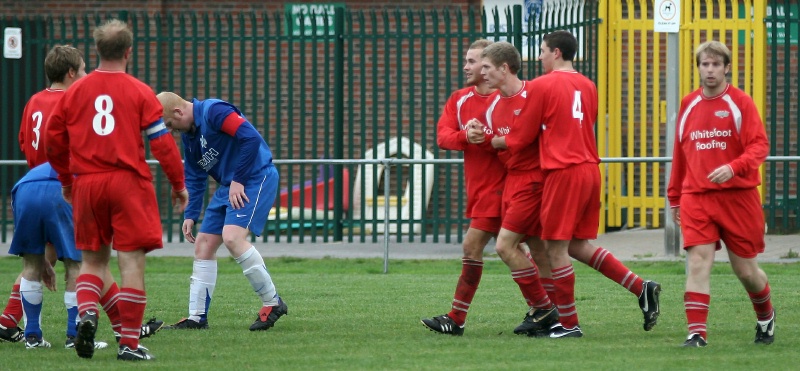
<point x="212" y="150"/>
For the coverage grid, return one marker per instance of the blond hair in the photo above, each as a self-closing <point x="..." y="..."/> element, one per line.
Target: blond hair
<point x="170" y="101"/>
<point x="713" y="49"/>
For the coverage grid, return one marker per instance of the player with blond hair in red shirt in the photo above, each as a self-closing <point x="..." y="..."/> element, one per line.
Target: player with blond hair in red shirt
<point x="720" y="142"/>
<point x="484" y="178"/>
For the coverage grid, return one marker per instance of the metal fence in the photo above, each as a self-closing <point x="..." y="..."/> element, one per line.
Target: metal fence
<point x="359" y="85"/>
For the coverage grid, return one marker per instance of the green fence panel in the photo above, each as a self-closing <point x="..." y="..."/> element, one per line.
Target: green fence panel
<point x="782" y="118"/>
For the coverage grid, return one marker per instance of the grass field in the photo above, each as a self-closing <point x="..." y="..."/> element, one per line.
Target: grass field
<point x="346" y="314"/>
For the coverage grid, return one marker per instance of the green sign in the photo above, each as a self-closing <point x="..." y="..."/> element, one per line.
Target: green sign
<point x="777" y="25"/>
<point x="783" y="28"/>
<point x="306" y="18"/>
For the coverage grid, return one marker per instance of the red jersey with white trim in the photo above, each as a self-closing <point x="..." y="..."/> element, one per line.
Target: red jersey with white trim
<point x="714" y="131"/>
<point x="564" y="104"/>
<point x="522" y="155"/>
<point x="484" y="173"/>
<point x="31" y="128"/>
<point x="97" y="127"/>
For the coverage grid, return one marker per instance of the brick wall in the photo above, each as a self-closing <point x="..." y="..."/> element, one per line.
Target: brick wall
<point x="28" y="7"/>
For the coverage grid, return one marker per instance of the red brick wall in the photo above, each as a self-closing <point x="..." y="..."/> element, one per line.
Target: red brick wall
<point x="27" y="7"/>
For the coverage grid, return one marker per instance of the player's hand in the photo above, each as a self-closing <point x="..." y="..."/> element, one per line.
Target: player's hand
<point x="676" y="215"/>
<point x="188" y="224"/>
<point x="66" y="192"/>
<point x="474" y="124"/>
<point x="721" y="174"/>
<point x="476" y="136"/>
<point x="48" y="275"/>
<point x="236" y="195"/>
<point x="180" y="199"/>
<point x="499" y="143"/>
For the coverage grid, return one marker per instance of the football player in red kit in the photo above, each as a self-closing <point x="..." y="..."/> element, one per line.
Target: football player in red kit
<point x="719" y="144"/>
<point x="522" y="192"/>
<point x="103" y="164"/>
<point x="484" y="181"/>
<point x="563" y="107"/>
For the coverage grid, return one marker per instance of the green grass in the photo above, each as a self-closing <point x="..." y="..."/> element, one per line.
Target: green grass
<point x="346" y="314"/>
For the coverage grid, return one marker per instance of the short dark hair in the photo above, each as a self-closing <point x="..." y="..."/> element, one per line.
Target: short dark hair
<point x="112" y="39"/>
<point x="60" y="60"/>
<point x="564" y="41"/>
<point x="503" y="52"/>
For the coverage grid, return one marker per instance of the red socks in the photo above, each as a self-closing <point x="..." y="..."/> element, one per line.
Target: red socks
<point x="564" y="282"/>
<point x="696" y="306"/>
<point x="607" y="264"/>
<point x="109" y="302"/>
<point x="131" y="308"/>
<point x="13" y="312"/>
<point x="471" y="272"/>
<point x="528" y="281"/>
<point x="762" y="303"/>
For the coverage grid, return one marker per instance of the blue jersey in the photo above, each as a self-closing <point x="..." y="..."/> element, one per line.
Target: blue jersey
<point x="226" y="152"/>
<point x="41" y="173"/>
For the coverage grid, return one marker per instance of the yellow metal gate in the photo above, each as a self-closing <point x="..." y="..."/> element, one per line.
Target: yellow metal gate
<point x="632" y="86"/>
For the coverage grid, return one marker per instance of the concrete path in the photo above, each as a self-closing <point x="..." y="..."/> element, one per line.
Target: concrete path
<point x="628" y="245"/>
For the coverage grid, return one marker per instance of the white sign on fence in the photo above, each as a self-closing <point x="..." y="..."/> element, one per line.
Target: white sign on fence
<point x="667" y="16"/>
<point x="12" y="44"/>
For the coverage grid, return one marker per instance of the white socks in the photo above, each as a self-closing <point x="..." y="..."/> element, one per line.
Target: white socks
<point x="201" y="288"/>
<point x="256" y="272"/>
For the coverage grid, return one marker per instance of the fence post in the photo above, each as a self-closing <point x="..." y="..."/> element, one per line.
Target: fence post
<point x="517" y="30"/>
<point x="672" y="234"/>
<point x="338" y="120"/>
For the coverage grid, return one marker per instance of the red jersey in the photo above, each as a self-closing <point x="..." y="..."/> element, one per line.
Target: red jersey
<point x="522" y="155"/>
<point x="564" y="103"/>
<point x="484" y="173"/>
<point x="97" y="127"/>
<point x="714" y="131"/>
<point x="31" y="129"/>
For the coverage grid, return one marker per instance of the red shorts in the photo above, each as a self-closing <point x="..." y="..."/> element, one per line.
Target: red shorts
<point x="733" y="216"/>
<point x="571" y="203"/>
<point x="522" y="199"/>
<point x="119" y="206"/>
<point x="489" y="225"/>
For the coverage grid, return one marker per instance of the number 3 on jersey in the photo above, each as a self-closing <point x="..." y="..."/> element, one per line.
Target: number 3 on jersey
<point x="577" y="112"/>
<point x="37" y="117"/>
<point x="103" y="122"/>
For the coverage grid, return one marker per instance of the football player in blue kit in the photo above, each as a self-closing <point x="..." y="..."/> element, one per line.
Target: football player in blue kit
<point x="218" y="141"/>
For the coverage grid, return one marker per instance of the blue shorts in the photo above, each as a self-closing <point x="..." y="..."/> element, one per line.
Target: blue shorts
<point x="261" y="191"/>
<point x="41" y="215"/>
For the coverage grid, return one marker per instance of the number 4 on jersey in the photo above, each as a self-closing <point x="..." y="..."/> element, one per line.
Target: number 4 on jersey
<point x="577" y="112"/>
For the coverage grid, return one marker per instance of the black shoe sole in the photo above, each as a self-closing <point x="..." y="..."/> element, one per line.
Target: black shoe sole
<point x="653" y="320"/>
<point x="84" y="342"/>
